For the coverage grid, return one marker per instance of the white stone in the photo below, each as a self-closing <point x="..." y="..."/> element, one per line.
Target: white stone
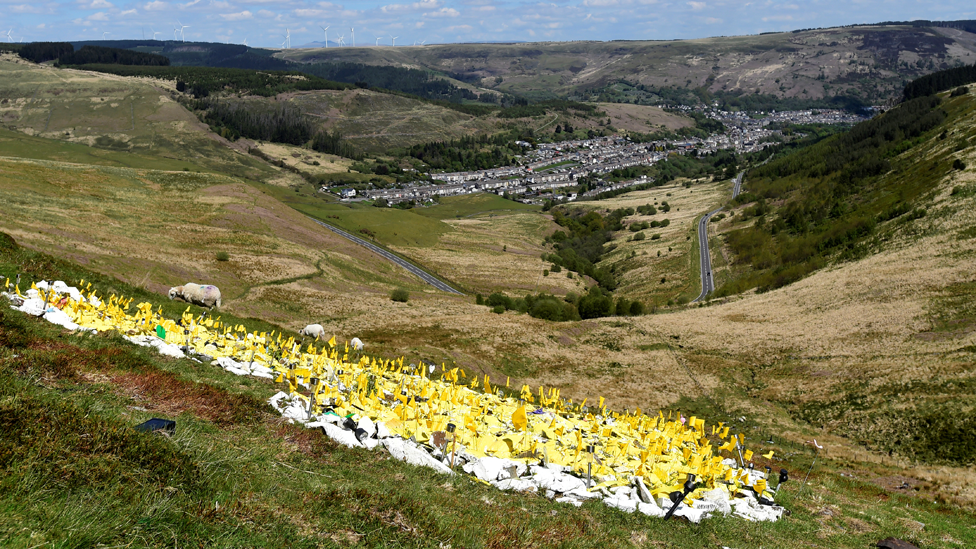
<point x="405" y="451"/>
<point x="381" y="430"/>
<point x="623" y="503"/>
<point x="340" y="435"/>
<point x="642" y="492"/>
<point x="570" y="501"/>
<point x="650" y="509"/>
<point x="690" y="513"/>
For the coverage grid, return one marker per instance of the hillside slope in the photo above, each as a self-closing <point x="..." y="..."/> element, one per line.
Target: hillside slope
<point x="871" y="63"/>
<point x="112" y="113"/>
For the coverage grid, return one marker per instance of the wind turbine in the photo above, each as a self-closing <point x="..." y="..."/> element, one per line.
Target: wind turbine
<point x="182" y="26"/>
<point x="342" y="40"/>
<point x="353" y="31"/>
<point x="154" y="33"/>
<point x="104" y="33"/>
<point x="378" y="40"/>
<point x="10" y="38"/>
<point x="393" y="39"/>
<point x="176" y="33"/>
<point x="288" y="38"/>
<point x="326" y="31"/>
<point x="245" y="42"/>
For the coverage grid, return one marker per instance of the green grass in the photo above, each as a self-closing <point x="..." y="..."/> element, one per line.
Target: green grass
<point x="16" y="144"/>
<point x="471" y="205"/>
<point x="75" y="474"/>
<point x="388" y="226"/>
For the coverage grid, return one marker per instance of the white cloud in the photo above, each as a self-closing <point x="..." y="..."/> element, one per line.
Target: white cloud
<point x="239" y="16"/>
<point x="156" y="5"/>
<point x="190" y="4"/>
<point x="25" y="8"/>
<point x="713" y="20"/>
<point x="310" y="13"/>
<point x="600" y="3"/>
<point x="697" y="6"/>
<point x="778" y="18"/>
<point x="129" y="12"/>
<point x="444" y="12"/>
<point x="416" y="6"/>
<point x="96" y="5"/>
<point x="100" y="16"/>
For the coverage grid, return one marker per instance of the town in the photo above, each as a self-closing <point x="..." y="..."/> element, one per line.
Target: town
<point x="552" y="171"/>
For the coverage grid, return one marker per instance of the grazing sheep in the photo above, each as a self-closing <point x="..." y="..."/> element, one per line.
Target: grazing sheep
<point x="313" y="330"/>
<point x="203" y="295"/>
<point x="357" y="344"/>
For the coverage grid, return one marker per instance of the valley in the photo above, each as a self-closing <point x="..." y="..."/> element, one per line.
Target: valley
<point x="851" y="322"/>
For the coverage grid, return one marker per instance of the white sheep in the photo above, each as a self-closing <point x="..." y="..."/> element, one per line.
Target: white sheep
<point x="313" y="330"/>
<point x="204" y="295"/>
<point x="357" y="344"/>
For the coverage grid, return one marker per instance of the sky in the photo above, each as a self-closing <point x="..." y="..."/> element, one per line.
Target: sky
<point x="264" y="23"/>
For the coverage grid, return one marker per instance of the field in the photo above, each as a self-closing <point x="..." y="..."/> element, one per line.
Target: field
<point x="674" y="255"/>
<point x="871" y="357"/>
<point x="234" y="472"/>
<point x="868" y="62"/>
<point x="111" y="113"/>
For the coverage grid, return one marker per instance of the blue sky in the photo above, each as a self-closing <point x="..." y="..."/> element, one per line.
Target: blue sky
<point x="265" y="22"/>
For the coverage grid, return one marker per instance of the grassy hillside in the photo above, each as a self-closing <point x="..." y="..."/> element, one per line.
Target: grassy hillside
<point x="235" y="474"/>
<point x="869" y="63"/>
<point x="129" y="116"/>
<point x="844" y="197"/>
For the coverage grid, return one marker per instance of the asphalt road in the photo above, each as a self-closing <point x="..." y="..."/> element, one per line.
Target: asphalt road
<point x="708" y="284"/>
<point x="424" y="275"/>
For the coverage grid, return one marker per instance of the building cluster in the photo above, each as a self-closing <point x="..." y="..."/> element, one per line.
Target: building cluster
<point x="552" y="166"/>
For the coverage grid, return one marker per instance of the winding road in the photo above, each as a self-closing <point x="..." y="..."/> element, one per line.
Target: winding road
<point x="708" y="284"/>
<point x="424" y="275"/>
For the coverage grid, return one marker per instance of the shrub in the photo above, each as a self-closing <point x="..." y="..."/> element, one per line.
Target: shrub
<point x="556" y="269"/>
<point x="636" y="308"/>
<point x="958" y="165"/>
<point x="223" y="256"/>
<point x="498" y="309"/>
<point x="479" y="300"/>
<point x="499" y="299"/>
<point x="400" y="295"/>
<point x="639" y="236"/>
<point x="655" y="237"/>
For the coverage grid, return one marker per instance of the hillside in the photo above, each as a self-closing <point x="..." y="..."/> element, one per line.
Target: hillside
<point x="868" y="63"/>
<point x="124" y="115"/>
<point x="870" y="351"/>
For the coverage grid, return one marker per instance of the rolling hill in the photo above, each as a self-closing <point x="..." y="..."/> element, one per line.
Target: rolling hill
<point x="867" y="63"/>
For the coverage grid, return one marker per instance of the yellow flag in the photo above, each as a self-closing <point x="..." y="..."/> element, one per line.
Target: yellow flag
<point x="332" y="341"/>
<point x="769" y="455"/>
<point x="748" y="455"/>
<point x="519" y="420"/>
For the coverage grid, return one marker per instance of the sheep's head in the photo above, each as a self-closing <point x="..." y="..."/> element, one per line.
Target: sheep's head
<point x="173" y="292"/>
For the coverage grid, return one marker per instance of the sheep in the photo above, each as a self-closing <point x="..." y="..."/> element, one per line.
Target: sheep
<point x="204" y="295"/>
<point x="357" y="344"/>
<point x="313" y="330"/>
